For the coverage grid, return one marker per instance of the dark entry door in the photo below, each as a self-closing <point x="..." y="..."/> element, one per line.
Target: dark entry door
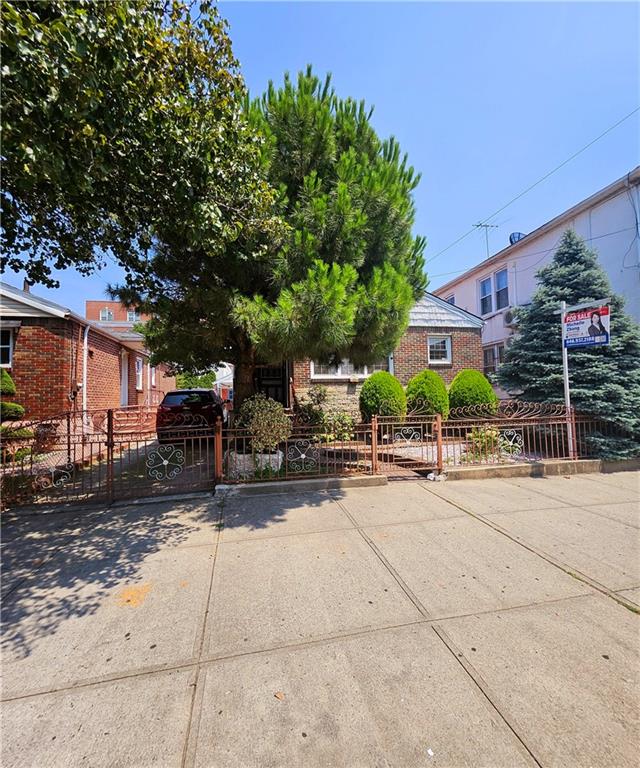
<point x="273" y="381"/>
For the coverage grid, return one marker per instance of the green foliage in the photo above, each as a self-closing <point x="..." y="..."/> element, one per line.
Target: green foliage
<point x="11" y="411"/>
<point x="311" y="407"/>
<point x="9" y="431"/>
<point x="7" y="387"/>
<point x="340" y="275"/>
<point x="605" y="381"/>
<point x="195" y="380"/>
<point x="313" y="411"/>
<point x="382" y="395"/>
<point x="123" y="134"/>
<point x="427" y="394"/>
<point x="471" y="387"/>
<point x="266" y="422"/>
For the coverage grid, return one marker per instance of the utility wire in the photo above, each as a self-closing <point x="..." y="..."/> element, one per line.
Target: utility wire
<point x="537" y="253"/>
<point x="535" y="184"/>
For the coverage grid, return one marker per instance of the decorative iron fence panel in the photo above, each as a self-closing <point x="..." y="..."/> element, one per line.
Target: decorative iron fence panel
<point x="105" y="455"/>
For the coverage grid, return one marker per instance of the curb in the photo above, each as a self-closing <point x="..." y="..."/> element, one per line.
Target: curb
<point x="294" y="486"/>
<point x="542" y="469"/>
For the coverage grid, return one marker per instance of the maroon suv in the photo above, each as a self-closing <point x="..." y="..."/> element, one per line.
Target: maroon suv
<point x="186" y="412"/>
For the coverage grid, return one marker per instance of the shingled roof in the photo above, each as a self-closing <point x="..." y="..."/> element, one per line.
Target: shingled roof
<point x="433" y="312"/>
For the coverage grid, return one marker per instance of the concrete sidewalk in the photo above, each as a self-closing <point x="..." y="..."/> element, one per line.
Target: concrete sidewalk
<point x="480" y="623"/>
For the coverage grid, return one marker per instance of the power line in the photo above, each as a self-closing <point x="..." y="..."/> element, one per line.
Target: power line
<point x="535" y="184"/>
<point x="544" y="252"/>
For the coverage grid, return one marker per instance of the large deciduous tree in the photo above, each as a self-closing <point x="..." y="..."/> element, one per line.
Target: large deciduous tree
<point x="122" y="134"/>
<point x="337" y="281"/>
<point x="604" y="380"/>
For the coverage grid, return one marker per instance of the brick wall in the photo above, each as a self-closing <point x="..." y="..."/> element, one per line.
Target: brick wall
<point x="92" y="310"/>
<point x="411" y="355"/>
<point x="409" y="358"/>
<point x="41" y="366"/>
<point x="47" y="369"/>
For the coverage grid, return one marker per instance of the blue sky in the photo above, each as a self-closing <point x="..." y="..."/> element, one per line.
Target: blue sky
<point x="485" y="98"/>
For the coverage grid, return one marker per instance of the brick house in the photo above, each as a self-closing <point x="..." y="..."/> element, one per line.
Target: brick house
<point x="62" y="362"/>
<point x="440" y="336"/>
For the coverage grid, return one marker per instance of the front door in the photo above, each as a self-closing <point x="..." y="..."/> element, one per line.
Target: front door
<point x="124" y="379"/>
<point x="273" y="381"/>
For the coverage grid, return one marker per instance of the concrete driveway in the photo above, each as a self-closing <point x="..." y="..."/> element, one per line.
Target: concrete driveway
<point x="476" y="623"/>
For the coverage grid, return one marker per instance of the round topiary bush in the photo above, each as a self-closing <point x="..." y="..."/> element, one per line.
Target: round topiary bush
<point x="382" y="395"/>
<point x="266" y="422"/>
<point x="7" y="387"/>
<point x="427" y="394"/>
<point x="11" y="411"/>
<point x="471" y="387"/>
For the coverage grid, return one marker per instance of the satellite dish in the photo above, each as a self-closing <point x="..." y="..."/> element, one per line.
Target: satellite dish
<point x="515" y="236"/>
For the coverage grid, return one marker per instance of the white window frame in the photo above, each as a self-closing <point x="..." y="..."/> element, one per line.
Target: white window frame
<point x="342" y="376"/>
<point x="135" y="317"/>
<point x="449" y="348"/>
<point x="495" y="356"/>
<point x="489" y="295"/>
<point x="109" y="315"/>
<point x="139" y="374"/>
<point x="495" y="288"/>
<point x="11" y="342"/>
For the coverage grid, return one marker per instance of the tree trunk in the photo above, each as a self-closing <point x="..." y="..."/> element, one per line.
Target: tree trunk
<point x="243" y="386"/>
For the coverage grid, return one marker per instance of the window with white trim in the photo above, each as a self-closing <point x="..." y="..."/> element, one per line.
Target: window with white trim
<point x="502" y="289"/>
<point x="345" y="370"/>
<point x="132" y="316"/>
<point x="439" y="350"/>
<point x="6" y="347"/>
<point x="152" y="368"/>
<point x="139" y="372"/>
<point x="486" y="302"/>
<point x="106" y="314"/>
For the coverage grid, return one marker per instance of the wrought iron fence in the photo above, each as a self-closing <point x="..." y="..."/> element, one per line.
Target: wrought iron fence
<point x="106" y="455"/>
<point x="128" y="452"/>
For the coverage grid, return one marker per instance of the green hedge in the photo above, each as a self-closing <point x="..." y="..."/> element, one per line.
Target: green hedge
<point x="11" y="411"/>
<point x="382" y="395"/>
<point x="427" y="394"/>
<point x="7" y="387"/>
<point x="471" y="387"/>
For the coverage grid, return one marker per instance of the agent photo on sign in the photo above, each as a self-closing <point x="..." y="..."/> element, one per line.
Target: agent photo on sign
<point x="596" y="328"/>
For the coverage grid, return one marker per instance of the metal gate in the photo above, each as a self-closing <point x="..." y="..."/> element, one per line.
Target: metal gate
<point x="108" y="455"/>
<point x="404" y="446"/>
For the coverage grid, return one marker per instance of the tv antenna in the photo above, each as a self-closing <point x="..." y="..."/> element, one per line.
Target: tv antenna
<point x="486" y="228"/>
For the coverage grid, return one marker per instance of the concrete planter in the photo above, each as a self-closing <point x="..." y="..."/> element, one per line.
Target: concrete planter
<point x="245" y="465"/>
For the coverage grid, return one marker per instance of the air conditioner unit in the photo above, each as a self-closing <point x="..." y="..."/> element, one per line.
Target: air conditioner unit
<point x="509" y="319"/>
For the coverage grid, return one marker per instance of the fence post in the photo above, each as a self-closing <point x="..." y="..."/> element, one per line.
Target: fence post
<point x="68" y="437"/>
<point x="438" y="430"/>
<point x="374" y="444"/>
<point x="110" y="445"/>
<point x="571" y="429"/>
<point x="217" y="451"/>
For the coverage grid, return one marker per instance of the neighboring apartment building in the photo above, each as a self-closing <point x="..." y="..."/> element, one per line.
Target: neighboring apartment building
<point x="608" y="221"/>
<point x="441" y="337"/>
<point x="62" y="362"/>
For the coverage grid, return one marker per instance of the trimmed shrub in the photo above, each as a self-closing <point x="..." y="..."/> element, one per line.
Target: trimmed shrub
<point x="427" y="394"/>
<point x="471" y="387"/>
<point x="7" y="387"/>
<point x="382" y="395"/>
<point x="11" y="411"/>
<point x="266" y="422"/>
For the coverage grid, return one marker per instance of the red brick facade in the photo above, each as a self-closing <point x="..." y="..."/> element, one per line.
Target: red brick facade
<point x="409" y="358"/>
<point x="47" y="369"/>
<point x="118" y="310"/>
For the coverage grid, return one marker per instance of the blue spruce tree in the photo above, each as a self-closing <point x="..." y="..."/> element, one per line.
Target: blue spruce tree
<point x="605" y="380"/>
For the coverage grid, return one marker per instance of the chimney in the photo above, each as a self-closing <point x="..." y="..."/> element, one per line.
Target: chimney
<point x="26" y="285"/>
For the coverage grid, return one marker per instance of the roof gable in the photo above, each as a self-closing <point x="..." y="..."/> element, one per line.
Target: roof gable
<point x="433" y="312"/>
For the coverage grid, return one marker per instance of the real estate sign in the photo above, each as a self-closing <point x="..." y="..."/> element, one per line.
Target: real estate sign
<point x="588" y="327"/>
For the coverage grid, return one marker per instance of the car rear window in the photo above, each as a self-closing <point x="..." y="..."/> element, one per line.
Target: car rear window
<point x="188" y="398"/>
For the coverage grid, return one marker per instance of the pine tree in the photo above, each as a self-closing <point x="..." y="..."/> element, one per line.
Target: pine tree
<point x="340" y="278"/>
<point x="604" y="380"/>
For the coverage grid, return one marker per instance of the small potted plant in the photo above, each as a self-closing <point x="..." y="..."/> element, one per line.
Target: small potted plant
<point x="265" y="426"/>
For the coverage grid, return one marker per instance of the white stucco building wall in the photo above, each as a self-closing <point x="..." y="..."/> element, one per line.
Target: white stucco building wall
<point x="608" y="220"/>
